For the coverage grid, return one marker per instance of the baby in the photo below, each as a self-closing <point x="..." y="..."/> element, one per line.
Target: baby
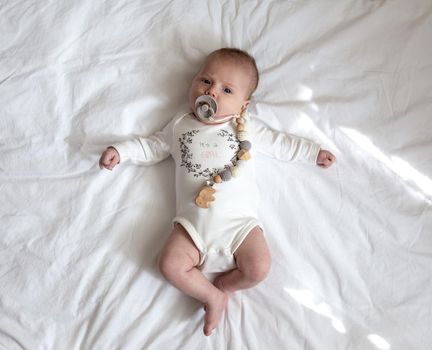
<point x="216" y="228"/>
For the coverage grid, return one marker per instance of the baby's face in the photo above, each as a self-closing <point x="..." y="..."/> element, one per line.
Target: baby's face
<point x="224" y="80"/>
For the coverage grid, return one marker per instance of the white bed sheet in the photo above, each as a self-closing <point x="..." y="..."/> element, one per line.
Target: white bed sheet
<point x="351" y="245"/>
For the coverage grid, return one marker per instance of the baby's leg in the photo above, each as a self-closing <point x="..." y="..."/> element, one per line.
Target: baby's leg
<point x="253" y="264"/>
<point x="177" y="263"/>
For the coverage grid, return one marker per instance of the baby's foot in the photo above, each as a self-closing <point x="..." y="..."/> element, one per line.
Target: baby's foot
<point x="214" y="309"/>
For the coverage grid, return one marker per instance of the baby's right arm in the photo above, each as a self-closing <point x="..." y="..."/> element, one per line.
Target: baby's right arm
<point x="141" y="150"/>
<point x="109" y="158"/>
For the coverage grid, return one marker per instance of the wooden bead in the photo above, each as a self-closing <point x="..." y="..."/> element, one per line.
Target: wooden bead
<point x="217" y="179"/>
<point x="205" y="196"/>
<point x="240" y="120"/>
<point x="240" y="127"/>
<point x="242" y="135"/>
<point x="243" y="155"/>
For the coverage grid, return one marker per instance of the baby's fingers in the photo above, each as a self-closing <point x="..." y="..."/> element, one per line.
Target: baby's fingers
<point x="327" y="161"/>
<point x="330" y="159"/>
<point x="113" y="162"/>
<point x="109" y="159"/>
<point x="324" y="164"/>
<point x="102" y="161"/>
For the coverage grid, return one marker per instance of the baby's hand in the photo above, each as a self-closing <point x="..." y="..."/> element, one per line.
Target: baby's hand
<point x="109" y="159"/>
<point x="325" y="159"/>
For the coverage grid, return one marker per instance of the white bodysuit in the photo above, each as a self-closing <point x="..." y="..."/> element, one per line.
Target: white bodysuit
<point x="199" y="151"/>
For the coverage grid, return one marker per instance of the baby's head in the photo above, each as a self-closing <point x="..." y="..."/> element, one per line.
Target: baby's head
<point x="228" y="75"/>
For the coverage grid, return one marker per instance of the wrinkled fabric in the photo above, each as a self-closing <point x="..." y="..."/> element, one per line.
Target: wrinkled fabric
<point x="351" y="245"/>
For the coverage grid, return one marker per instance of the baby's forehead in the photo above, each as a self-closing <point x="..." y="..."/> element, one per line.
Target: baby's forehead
<point x="224" y="62"/>
<point x="227" y="59"/>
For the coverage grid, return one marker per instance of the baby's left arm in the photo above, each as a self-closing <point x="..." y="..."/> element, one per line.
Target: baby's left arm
<point x="325" y="159"/>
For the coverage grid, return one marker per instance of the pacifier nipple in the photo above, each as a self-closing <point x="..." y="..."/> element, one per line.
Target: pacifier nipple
<point x="206" y="107"/>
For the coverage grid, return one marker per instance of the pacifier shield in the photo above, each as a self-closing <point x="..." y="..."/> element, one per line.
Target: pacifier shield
<point x="206" y="107"/>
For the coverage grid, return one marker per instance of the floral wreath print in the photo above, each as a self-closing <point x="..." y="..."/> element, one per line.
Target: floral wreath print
<point x="196" y="168"/>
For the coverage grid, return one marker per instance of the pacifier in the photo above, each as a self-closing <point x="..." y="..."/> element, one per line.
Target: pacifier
<point x="206" y="108"/>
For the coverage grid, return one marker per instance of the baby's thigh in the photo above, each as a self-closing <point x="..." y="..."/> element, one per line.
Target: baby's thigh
<point x="179" y="249"/>
<point x="254" y="252"/>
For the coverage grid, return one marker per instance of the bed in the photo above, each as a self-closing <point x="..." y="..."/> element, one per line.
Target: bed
<point x="351" y="245"/>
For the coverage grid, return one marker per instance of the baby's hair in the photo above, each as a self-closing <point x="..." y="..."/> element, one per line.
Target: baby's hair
<point x="244" y="58"/>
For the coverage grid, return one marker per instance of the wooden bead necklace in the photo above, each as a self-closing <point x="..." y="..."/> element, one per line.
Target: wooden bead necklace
<point x="206" y="193"/>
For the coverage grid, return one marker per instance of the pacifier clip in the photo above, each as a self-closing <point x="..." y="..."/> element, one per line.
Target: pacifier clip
<point x="206" y="109"/>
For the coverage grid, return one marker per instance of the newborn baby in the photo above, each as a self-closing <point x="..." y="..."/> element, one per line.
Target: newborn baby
<point x="216" y="228"/>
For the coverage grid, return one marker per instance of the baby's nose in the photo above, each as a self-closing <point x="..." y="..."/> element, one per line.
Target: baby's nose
<point x="211" y="92"/>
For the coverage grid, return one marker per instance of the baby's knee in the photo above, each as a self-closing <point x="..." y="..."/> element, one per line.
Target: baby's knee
<point x="168" y="266"/>
<point x="258" y="269"/>
<point x="173" y="265"/>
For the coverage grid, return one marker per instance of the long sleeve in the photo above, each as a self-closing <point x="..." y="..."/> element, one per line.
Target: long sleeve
<point x="148" y="150"/>
<point x="282" y="146"/>
<point x="144" y="150"/>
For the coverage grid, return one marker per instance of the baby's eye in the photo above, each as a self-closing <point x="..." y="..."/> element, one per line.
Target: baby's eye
<point x="206" y="81"/>
<point x="228" y="91"/>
